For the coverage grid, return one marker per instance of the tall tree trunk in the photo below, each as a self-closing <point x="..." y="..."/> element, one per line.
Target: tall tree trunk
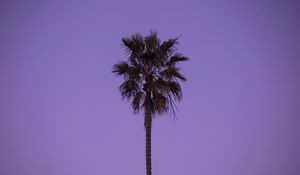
<point x="148" y="125"/>
<point x="148" y="151"/>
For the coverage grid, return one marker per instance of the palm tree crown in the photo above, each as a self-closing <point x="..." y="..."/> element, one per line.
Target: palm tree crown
<point x="151" y="71"/>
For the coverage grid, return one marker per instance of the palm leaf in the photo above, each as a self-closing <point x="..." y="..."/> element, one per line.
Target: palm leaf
<point x="121" y="68"/>
<point x="129" y="89"/>
<point x="177" y="58"/>
<point x="134" y="45"/>
<point x="168" y="48"/>
<point x="137" y="101"/>
<point x="152" y="42"/>
<point x="175" y="90"/>
<point x="172" y="73"/>
<point x="161" y="104"/>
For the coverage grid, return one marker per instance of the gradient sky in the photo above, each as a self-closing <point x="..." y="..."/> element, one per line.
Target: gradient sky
<point x="61" y="111"/>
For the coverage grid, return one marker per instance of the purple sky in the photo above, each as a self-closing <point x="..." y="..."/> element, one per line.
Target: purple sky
<point x="61" y="111"/>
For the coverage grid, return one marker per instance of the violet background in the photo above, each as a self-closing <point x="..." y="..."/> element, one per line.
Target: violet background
<point x="61" y="112"/>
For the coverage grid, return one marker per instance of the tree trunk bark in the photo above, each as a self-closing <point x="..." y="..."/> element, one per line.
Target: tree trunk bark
<point x="148" y="151"/>
<point x="148" y="125"/>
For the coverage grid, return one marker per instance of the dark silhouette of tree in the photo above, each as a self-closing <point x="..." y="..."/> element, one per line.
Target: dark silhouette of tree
<point x="151" y="79"/>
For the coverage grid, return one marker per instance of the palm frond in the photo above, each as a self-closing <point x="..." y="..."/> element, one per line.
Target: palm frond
<point x="137" y="101"/>
<point x="129" y="89"/>
<point x="134" y="73"/>
<point x="128" y="72"/>
<point x="152" y="42"/>
<point x="121" y="68"/>
<point x="160" y="85"/>
<point x="177" y="58"/>
<point x="175" y="90"/>
<point x="169" y="89"/>
<point x="161" y="103"/>
<point x="168" y="48"/>
<point x="172" y="73"/>
<point x="134" y="45"/>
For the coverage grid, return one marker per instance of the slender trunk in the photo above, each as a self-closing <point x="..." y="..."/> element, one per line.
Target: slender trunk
<point x="148" y="151"/>
<point x="148" y="125"/>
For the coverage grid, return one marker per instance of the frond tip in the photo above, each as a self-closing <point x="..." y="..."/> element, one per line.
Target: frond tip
<point x="120" y="68"/>
<point x="177" y="58"/>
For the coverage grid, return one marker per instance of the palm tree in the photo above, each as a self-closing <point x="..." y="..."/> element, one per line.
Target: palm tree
<point x="151" y="79"/>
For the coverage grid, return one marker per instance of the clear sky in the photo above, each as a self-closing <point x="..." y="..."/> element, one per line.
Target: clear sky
<point x="61" y="111"/>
